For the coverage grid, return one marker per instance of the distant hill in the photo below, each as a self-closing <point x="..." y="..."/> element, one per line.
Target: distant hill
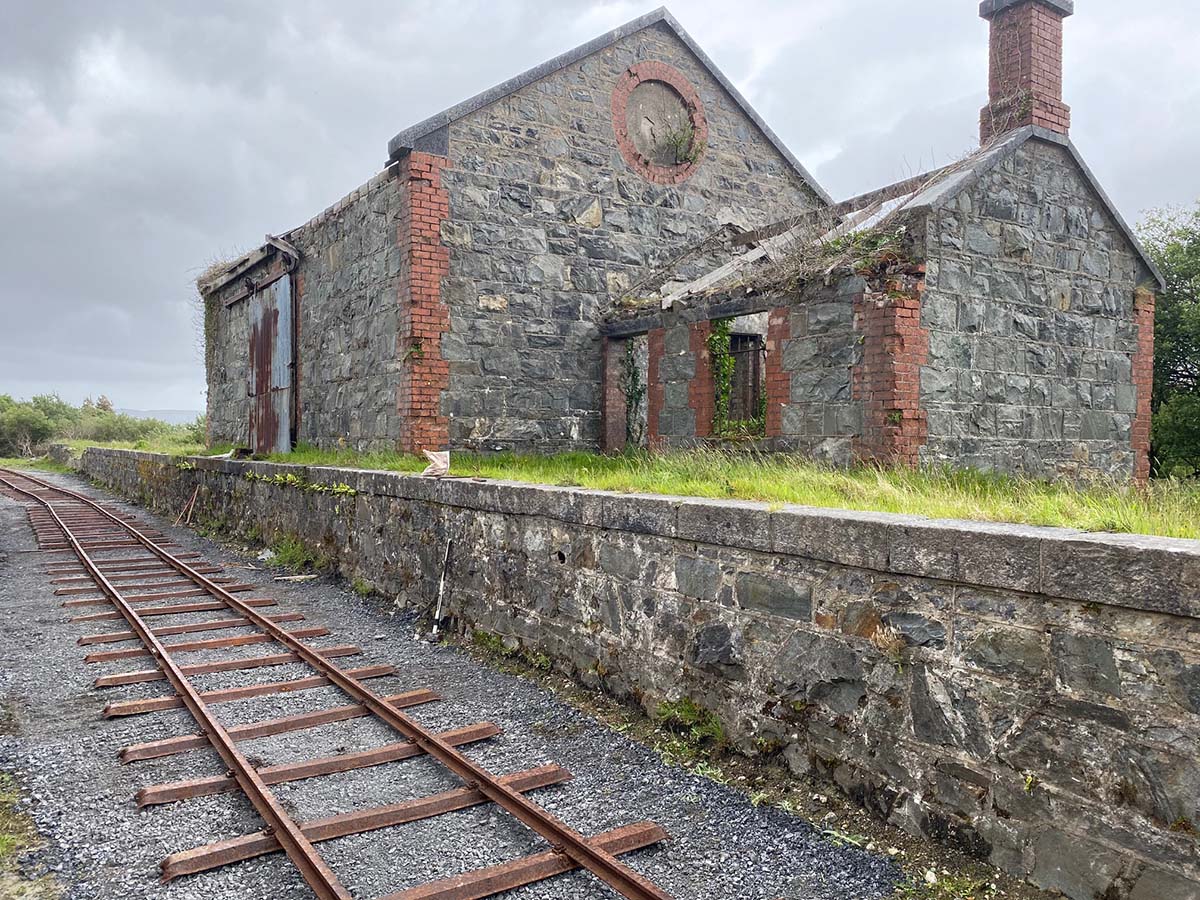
<point x="171" y="416"/>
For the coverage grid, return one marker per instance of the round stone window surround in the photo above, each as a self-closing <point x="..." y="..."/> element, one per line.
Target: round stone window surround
<point x="654" y="71"/>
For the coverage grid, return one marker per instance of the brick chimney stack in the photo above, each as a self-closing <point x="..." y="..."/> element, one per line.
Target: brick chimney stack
<point x="1025" y="81"/>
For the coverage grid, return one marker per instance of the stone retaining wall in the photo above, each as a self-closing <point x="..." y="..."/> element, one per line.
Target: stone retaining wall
<point x="1031" y="694"/>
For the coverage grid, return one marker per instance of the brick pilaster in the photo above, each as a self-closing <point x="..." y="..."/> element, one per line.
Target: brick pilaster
<point x="702" y="392"/>
<point x="1026" y="67"/>
<point x="614" y="411"/>
<point x="655" y="348"/>
<point x="888" y="380"/>
<point x="424" y="316"/>
<point x="779" y="380"/>
<point x="1143" y="380"/>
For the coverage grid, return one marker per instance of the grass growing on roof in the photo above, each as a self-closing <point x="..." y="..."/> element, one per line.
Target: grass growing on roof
<point x="1167" y="507"/>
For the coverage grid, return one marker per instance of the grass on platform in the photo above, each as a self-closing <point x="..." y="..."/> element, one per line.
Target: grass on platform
<point x="1170" y="508"/>
<point x="39" y="464"/>
<point x="1166" y="507"/>
<point x="170" y="444"/>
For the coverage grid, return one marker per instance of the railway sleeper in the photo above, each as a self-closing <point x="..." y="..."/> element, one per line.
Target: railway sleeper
<point x="112" y="637"/>
<point x="225" y="695"/>
<point x="249" y="846"/>
<point x="310" y="768"/>
<point x="226" y="665"/>
<point x="240" y="640"/>
<point x="183" y="743"/>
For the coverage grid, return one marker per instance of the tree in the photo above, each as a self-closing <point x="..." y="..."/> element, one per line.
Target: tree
<point x="104" y="404"/>
<point x="22" y="427"/>
<point x="1172" y="238"/>
<point x="62" y="415"/>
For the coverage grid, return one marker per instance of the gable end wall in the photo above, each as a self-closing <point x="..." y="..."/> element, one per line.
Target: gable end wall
<point x="547" y="222"/>
<point x="1029" y="304"/>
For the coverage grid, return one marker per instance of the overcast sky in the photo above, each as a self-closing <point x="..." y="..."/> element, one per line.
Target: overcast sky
<point x="141" y="140"/>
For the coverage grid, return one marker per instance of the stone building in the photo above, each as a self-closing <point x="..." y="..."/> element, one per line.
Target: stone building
<point x="454" y="299"/>
<point x="614" y="249"/>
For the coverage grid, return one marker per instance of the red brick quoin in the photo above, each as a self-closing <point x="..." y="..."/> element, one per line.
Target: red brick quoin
<point x="424" y="316"/>
<point x="888" y="380"/>
<point x="1143" y="381"/>
<point x="655" y="394"/>
<point x="779" y="381"/>
<point x="657" y="71"/>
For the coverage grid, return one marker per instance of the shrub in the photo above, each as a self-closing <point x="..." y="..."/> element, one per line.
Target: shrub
<point x="1176" y="432"/>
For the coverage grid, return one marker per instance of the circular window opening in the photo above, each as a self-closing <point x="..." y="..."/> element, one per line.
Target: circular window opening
<point x="660" y="125"/>
<point x="659" y="122"/>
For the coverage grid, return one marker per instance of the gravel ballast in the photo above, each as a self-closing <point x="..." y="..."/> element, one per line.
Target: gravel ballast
<point x="102" y="846"/>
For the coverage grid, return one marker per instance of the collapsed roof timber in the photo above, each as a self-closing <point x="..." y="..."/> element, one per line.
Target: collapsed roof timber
<point x="614" y="249"/>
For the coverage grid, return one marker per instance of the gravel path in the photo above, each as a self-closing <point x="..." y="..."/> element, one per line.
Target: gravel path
<point x="102" y="846"/>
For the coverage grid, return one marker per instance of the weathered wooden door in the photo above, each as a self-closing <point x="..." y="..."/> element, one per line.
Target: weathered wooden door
<point x="272" y="368"/>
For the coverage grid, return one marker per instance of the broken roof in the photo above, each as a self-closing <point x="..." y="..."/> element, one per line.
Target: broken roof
<point x="431" y="135"/>
<point x="754" y="254"/>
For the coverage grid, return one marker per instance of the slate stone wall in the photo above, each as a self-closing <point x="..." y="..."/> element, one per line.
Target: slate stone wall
<point x="678" y="367"/>
<point x="547" y="222"/>
<point x="1029" y="304"/>
<point x="1029" y="694"/>
<point x="227" y="367"/>
<point x="813" y="349"/>
<point x="349" y="308"/>
<point x="819" y="414"/>
<point x="348" y="303"/>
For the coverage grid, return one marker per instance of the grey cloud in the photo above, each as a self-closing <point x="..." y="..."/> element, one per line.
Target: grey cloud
<point x="139" y="139"/>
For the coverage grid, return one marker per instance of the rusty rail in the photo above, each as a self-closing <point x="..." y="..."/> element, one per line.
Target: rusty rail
<point x="285" y="829"/>
<point x="568" y="848"/>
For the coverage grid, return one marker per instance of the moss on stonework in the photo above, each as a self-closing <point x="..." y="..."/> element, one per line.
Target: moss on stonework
<point x="17" y="836"/>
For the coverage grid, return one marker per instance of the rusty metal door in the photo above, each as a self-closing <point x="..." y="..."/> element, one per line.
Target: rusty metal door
<point x="272" y="367"/>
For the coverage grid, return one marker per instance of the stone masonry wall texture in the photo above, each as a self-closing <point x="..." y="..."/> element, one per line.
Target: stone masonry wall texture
<point x="227" y="368"/>
<point x="1030" y="694"/>
<point x="349" y="372"/>
<point x="347" y="300"/>
<point x="1029" y="305"/>
<point x="548" y="221"/>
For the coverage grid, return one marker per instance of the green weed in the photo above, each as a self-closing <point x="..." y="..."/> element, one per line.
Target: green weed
<point x="697" y="723"/>
<point x="292" y="553"/>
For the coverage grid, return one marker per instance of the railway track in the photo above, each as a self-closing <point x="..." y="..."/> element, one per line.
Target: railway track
<point x="114" y="568"/>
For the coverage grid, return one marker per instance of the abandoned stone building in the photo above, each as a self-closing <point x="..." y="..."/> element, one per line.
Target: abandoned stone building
<point x="614" y="249"/>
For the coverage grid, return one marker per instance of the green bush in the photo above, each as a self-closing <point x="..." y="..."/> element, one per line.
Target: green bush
<point x="1172" y="237"/>
<point x="23" y="428"/>
<point x="1176" y="431"/>
<point x="27" y="426"/>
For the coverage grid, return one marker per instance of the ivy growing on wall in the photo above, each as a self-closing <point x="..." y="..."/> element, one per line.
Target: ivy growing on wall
<point x="722" y="363"/>
<point x="721" y="360"/>
<point x="635" y="394"/>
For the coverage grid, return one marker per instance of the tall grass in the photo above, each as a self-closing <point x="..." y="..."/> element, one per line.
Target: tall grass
<point x="1170" y="508"/>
